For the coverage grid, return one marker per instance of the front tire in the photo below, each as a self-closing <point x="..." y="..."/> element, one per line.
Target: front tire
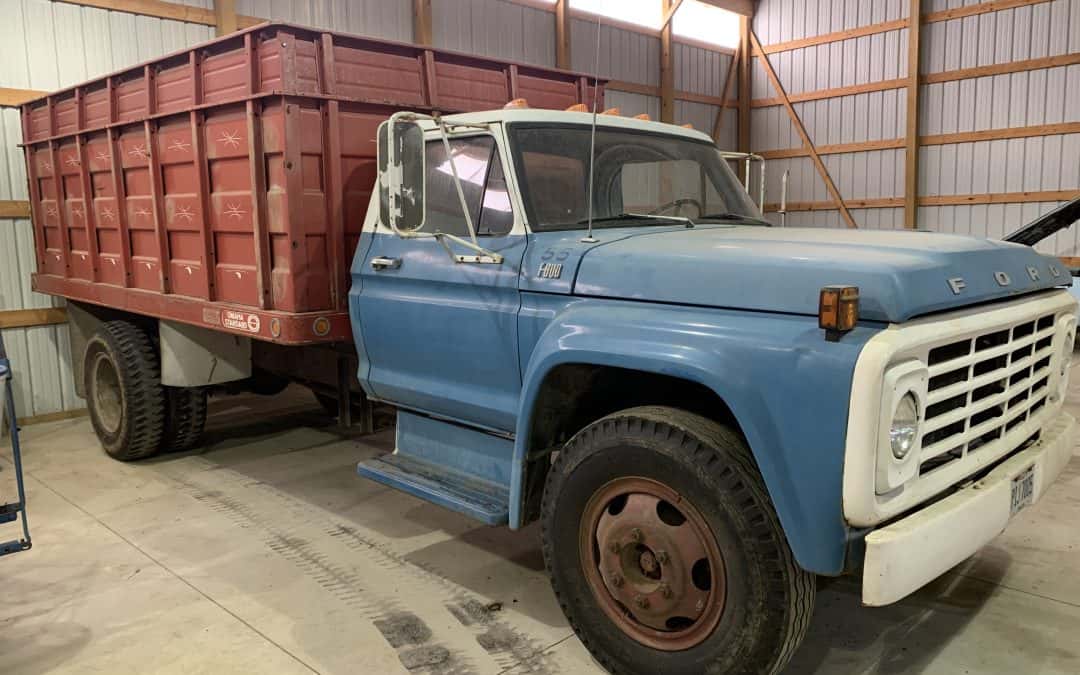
<point x="665" y="552"/>
<point x="123" y="390"/>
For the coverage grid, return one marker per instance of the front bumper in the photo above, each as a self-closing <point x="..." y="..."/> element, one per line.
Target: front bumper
<point x="906" y="555"/>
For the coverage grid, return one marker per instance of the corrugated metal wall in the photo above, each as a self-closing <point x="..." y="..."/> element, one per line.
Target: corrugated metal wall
<point x="1013" y="100"/>
<point x="1038" y="97"/>
<point x="49" y="45"/>
<point x="388" y="19"/>
<point x="634" y="57"/>
<point x="503" y="30"/>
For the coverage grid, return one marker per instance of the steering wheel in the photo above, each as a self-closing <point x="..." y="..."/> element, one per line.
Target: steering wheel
<point x="676" y="204"/>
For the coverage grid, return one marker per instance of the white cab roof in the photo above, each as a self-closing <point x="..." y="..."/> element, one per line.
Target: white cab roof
<point x="537" y="115"/>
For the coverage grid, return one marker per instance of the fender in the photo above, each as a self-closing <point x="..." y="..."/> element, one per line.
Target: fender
<point x="788" y="388"/>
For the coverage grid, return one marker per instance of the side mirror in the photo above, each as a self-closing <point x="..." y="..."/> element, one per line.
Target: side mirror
<point x="401" y="175"/>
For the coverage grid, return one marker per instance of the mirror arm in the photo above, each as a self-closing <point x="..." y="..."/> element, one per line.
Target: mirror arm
<point x="457" y="183"/>
<point x="483" y="257"/>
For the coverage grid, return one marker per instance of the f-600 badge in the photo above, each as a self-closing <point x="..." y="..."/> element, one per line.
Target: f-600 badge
<point x="550" y="271"/>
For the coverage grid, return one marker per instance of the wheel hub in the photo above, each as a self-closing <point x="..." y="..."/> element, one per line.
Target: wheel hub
<point x="655" y="566"/>
<point x="106" y="394"/>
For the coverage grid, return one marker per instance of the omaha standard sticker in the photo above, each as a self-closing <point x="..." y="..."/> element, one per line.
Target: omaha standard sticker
<point x="249" y="323"/>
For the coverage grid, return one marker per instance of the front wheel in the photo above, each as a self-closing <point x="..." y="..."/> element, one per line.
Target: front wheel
<point x="665" y="552"/>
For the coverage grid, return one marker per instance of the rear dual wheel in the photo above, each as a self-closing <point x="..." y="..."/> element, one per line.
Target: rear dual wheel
<point x="133" y="415"/>
<point x="665" y="552"/>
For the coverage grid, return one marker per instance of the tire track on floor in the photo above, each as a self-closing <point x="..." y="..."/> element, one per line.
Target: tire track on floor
<point x="507" y="645"/>
<point x="418" y="648"/>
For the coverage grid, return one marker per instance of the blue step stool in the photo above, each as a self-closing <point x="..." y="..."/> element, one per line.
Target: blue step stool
<point x="10" y="512"/>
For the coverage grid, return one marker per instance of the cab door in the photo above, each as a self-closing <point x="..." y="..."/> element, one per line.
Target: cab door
<point x="441" y="336"/>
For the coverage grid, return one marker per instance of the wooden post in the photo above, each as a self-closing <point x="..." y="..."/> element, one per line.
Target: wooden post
<point x="744" y="56"/>
<point x="225" y="17"/>
<point x="562" y="34"/>
<point x="422" y="22"/>
<point x="797" y="123"/>
<point x="911" y="146"/>
<point x="667" y="69"/>
<point x="719" y="123"/>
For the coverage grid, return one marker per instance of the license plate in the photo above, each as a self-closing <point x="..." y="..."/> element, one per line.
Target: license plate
<point x="1023" y="489"/>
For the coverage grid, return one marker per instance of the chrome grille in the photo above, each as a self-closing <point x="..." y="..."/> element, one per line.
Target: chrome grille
<point x="983" y="386"/>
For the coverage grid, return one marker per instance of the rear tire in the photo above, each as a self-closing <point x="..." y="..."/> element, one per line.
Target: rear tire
<point x="185" y="418"/>
<point x="665" y="552"/>
<point x="123" y="390"/>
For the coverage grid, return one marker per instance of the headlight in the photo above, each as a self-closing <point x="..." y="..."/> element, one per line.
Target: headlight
<point x="905" y="426"/>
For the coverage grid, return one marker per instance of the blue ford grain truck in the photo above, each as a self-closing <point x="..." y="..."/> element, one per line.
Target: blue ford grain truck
<point x="593" y="327"/>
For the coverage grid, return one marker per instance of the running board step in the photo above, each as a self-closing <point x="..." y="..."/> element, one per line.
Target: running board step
<point x="484" y="502"/>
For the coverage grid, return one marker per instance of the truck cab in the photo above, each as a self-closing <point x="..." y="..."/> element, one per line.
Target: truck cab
<point x="584" y="320"/>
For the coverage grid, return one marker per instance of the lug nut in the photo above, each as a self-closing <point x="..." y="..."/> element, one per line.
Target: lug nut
<point x="662" y="557"/>
<point x="635" y="535"/>
<point x="665" y="590"/>
<point x="616" y="580"/>
<point x="641" y="601"/>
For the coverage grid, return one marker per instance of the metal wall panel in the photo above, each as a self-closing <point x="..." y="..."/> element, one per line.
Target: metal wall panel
<point x="701" y="70"/>
<point x="624" y="55"/>
<point x="996" y="221"/>
<point x="495" y="28"/>
<point x="388" y="19"/>
<point x="1013" y="100"/>
<point x="632" y="104"/>
<point x="49" y="45"/>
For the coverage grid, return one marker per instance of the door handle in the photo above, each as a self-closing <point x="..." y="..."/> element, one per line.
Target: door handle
<point x="381" y="263"/>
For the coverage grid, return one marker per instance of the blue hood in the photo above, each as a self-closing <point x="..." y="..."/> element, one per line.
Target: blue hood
<point x="900" y="274"/>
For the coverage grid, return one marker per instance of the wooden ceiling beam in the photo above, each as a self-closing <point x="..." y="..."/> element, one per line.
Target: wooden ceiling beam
<point x="743" y="7"/>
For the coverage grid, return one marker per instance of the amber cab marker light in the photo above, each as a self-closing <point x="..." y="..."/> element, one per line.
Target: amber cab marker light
<point x="838" y="310"/>
<point x="516" y="103"/>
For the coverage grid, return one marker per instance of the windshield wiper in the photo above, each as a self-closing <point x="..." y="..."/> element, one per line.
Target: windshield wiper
<point x="639" y="216"/>
<point x="731" y="216"/>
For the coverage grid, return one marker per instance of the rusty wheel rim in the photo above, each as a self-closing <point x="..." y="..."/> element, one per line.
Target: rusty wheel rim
<point x="652" y="563"/>
<point x="106" y="394"/>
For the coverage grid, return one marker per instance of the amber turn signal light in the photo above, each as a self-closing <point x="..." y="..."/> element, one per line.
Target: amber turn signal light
<point x="838" y="310"/>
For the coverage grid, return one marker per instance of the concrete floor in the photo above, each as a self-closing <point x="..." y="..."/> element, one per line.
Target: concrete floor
<point x="264" y="552"/>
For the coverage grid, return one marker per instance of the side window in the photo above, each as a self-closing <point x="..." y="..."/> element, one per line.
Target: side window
<point x="482" y="182"/>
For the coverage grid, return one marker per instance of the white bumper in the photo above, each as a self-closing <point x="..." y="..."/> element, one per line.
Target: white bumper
<point x="906" y="555"/>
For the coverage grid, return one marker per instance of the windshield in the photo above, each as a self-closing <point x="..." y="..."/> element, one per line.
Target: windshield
<point x="636" y="173"/>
